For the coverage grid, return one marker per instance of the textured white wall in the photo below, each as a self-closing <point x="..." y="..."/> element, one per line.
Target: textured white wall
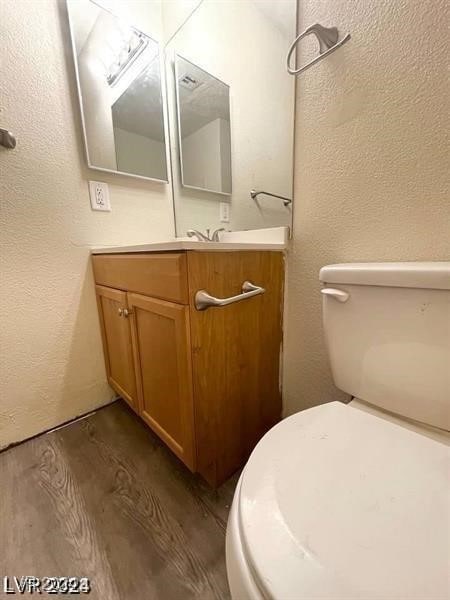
<point x="51" y="361"/>
<point x="371" y="163"/>
<point x="175" y="13"/>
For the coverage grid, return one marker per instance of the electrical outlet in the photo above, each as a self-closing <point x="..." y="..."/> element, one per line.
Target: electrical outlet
<point x="224" y="210"/>
<point x="99" y="194"/>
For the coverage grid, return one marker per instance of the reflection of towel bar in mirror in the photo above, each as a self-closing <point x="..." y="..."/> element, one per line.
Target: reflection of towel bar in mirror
<point x="286" y="201"/>
<point x="328" y="42"/>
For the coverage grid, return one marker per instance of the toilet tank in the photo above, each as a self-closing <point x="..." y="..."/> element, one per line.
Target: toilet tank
<point x="387" y="330"/>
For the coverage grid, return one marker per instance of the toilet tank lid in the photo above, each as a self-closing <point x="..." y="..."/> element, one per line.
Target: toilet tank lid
<point x="424" y="275"/>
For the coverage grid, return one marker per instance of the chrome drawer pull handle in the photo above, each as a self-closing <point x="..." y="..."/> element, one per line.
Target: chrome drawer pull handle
<point x="338" y="295"/>
<point x="203" y="300"/>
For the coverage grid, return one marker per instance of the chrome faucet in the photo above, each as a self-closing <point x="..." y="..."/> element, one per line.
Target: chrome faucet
<point x="205" y="238"/>
<point x="215" y="236"/>
<point x="199" y="235"/>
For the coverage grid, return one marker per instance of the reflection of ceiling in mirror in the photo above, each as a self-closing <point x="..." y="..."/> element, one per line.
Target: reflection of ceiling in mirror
<point x="208" y="101"/>
<point x="109" y="43"/>
<point x="135" y="95"/>
<point x="139" y="109"/>
<point x="282" y="13"/>
<point x="83" y="15"/>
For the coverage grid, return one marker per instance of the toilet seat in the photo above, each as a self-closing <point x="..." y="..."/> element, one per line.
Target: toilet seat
<point x="336" y="503"/>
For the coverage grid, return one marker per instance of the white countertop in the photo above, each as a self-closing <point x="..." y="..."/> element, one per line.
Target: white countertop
<point x="181" y="245"/>
<point x="262" y="239"/>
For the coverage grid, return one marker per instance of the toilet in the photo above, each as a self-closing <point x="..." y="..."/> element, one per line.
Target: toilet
<point x="352" y="501"/>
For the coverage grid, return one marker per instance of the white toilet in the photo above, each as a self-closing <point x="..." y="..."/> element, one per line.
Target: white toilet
<point x="352" y="502"/>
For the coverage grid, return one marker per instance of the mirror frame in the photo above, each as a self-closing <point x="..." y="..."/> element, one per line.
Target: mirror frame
<point x="178" y="125"/>
<point x="163" y="100"/>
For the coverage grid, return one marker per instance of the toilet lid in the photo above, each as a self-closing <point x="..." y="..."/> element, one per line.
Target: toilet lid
<point x="340" y="504"/>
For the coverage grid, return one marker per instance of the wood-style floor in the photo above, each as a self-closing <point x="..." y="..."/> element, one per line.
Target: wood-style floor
<point x="103" y="498"/>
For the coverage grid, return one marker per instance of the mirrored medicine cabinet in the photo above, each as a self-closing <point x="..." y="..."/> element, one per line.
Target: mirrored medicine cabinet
<point x="119" y="76"/>
<point x="201" y="100"/>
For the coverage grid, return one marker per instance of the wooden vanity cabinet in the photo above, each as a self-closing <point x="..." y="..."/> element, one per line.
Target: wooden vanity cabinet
<point x="207" y="382"/>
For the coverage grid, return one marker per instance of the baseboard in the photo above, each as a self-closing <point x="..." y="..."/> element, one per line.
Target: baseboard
<point x="60" y="426"/>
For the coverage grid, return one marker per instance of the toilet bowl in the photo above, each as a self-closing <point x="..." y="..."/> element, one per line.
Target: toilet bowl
<point x="352" y="501"/>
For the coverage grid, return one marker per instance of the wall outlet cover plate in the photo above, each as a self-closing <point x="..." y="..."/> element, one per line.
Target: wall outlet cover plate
<point x="99" y="195"/>
<point x="224" y="210"/>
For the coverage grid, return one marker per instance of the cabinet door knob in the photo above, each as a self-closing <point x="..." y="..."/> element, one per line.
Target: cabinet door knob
<point x="127" y="313"/>
<point x="120" y="311"/>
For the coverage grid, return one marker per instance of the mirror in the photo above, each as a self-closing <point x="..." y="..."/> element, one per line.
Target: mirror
<point x="235" y="54"/>
<point x="204" y="136"/>
<point x="121" y="93"/>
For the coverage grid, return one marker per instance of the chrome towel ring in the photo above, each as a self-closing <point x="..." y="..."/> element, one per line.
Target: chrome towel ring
<point x="328" y="42"/>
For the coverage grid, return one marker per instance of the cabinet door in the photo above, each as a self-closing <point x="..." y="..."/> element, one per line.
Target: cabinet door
<point x="116" y="334"/>
<point x="236" y="357"/>
<point x="161" y="340"/>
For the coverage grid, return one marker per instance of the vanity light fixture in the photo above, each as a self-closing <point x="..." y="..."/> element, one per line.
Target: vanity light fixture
<point x="130" y="51"/>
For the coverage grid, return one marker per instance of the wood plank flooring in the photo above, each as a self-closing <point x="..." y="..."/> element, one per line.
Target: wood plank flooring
<point x="103" y="498"/>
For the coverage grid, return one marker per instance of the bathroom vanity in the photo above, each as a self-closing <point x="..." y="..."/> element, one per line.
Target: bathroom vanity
<point x="202" y="373"/>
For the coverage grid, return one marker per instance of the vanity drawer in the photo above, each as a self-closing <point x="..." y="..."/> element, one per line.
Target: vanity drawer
<point x="157" y="275"/>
